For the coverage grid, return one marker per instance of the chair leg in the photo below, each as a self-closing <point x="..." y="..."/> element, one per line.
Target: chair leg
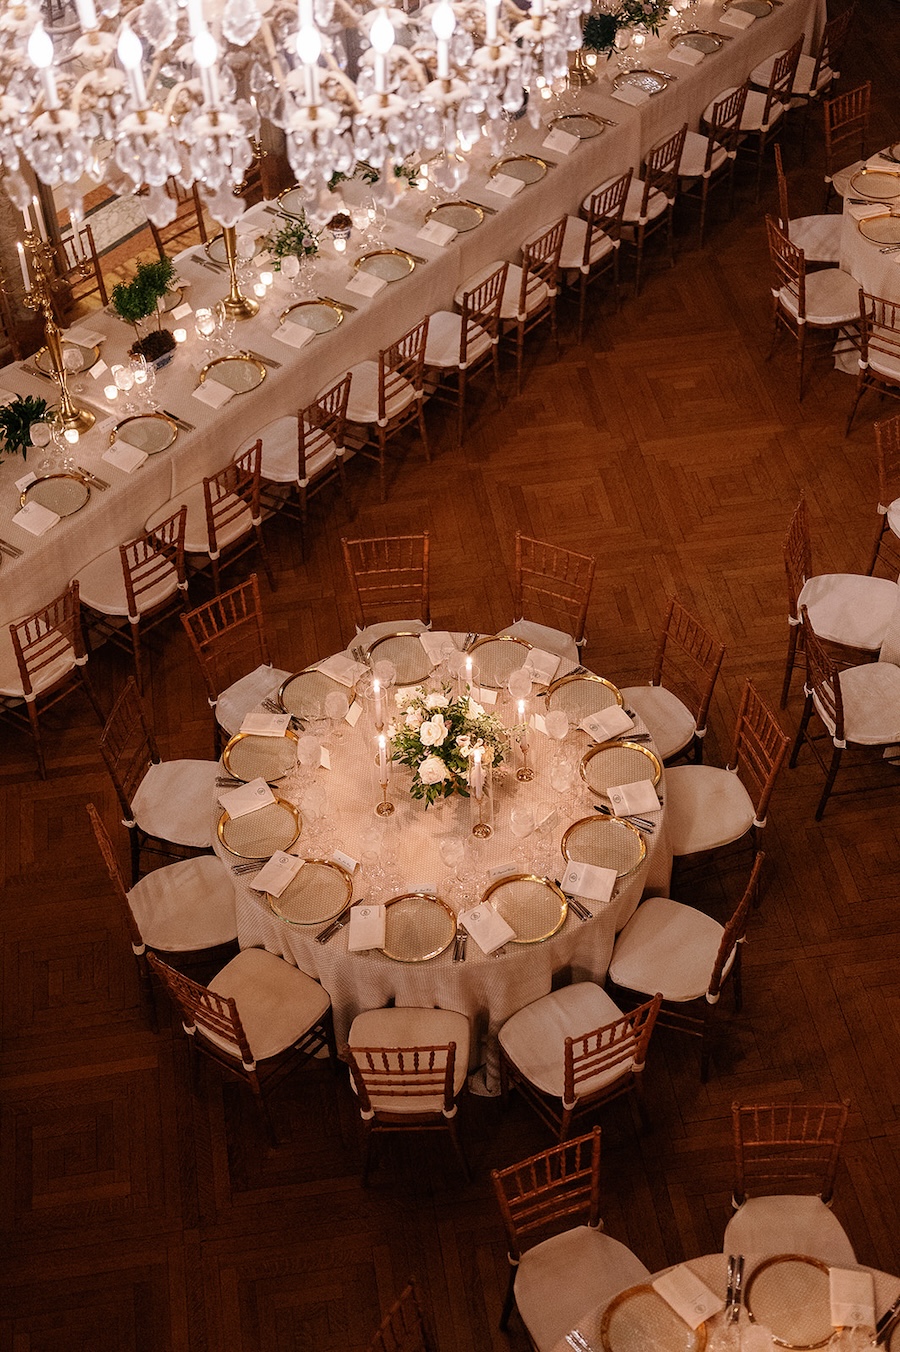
<point x="369" y="1143"/>
<point x="860" y="387"/>
<point x="36" y="737"/>
<point x="263" y="1106"/>
<point x="137" y="655"/>
<point x="638" y="259"/>
<point x="520" y="353"/>
<point x="504" y="1082"/>
<point x="801" y="731"/>
<point x="264" y="555"/>
<point x="582" y="299"/>
<point x="876" y="549"/>
<point x="509" y="1303"/>
<point x="382" y="484"/>
<point x="801" y="355"/>
<point x="457" y="1145"/>
<point x="423" y="430"/>
<point x="829" y="781"/>
<point x="794" y="636"/>
<point x="460" y="408"/>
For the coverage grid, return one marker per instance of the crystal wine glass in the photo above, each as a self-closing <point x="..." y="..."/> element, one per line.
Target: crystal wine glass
<point x="521" y="823"/>
<point x="337" y="706"/>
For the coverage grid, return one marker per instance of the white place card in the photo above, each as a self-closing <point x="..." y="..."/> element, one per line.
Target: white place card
<point x="631" y="94"/>
<point x="353" y="714"/>
<point x="539" y="723"/>
<point x="261" y="723"/>
<point x="589" y="880"/>
<point x="629" y="798"/>
<point x="690" y="1298"/>
<point x="560" y="140"/>
<point x="489" y="930"/>
<point x="294" y="335"/>
<point x="182" y="311"/>
<point x="502" y="871"/>
<point x="249" y="797"/>
<point x="504" y="185"/>
<point x="324" y="758"/>
<point x="35" y="518"/>
<point x="98" y="368"/>
<point x="606" y="724"/>
<point x="434" y="641"/>
<point x="541" y="666"/>
<point x="212" y="393"/>
<point x="428" y="888"/>
<point x="342" y="669"/>
<point x="866" y="211"/>
<point x="274" y="876"/>
<point x="687" y="56"/>
<point x="852" y="1298"/>
<point x="483" y="694"/>
<point x="124" y="457"/>
<point x="436" y="232"/>
<point x="26" y="479"/>
<point x="366" y="928"/>
<point x="345" y="860"/>
<point x="366" y="284"/>
<point x="737" y="18"/>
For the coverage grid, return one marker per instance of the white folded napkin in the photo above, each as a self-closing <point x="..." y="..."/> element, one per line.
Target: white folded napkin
<point x="434" y="641"/>
<point x="632" y="94"/>
<point x="690" y="1298"/>
<point x="560" y="140"/>
<point x="261" y="723"/>
<point x="688" y="56"/>
<point x="737" y="18"/>
<point x="638" y="797"/>
<point x="35" y="518"/>
<point x="865" y="211"/>
<point x="607" y="723"/>
<point x="366" y="928"/>
<point x="84" y="337"/>
<point x="98" y="369"/>
<point x="124" y="457"/>
<point x="366" y="284"/>
<point x="294" y="335"/>
<point x="213" y="393"/>
<point x="589" y="880"/>
<point x="342" y="669"/>
<point x="249" y="797"/>
<point x="182" y="311"/>
<point x="852" y="1298"/>
<point x="353" y="714"/>
<point x="436" y="232"/>
<point x="489" y="930"/>
<point x="274" y="876"/>
<point x="541" y="666"/>
<point x="504" y="185"/>
<point x="879" y="162"/>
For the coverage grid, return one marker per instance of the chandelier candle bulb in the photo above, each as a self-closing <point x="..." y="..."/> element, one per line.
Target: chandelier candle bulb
<point x="39" y="217"/>
<point x="87" y="14"/>
<point x="381" y="36"/>
<point x="26" y="216"/>
<point x="205" y="54"/>
<point x="23" y="264"/>
<point x="491" y="14"/>
<point x="40" y="54"/>
<point x="130" y="52"/>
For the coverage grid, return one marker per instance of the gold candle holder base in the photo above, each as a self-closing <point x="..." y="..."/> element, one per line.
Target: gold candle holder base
<point x="75" y="419"/>
<point x="524" y="774"/>
<point x="236" y="304"/>
<point x="482" y="830"/>
<point x="240" y="307"/>
<point x="581" y="73"/>
<point x="385" y="807"/>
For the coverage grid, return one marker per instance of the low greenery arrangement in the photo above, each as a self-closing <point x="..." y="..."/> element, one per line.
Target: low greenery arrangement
<point x="138" y="299"/>
<point x="601" y="25"/>
<point x="15" y="422"/>
<point x="295" y="238"/>
<point x="435" y="734"/>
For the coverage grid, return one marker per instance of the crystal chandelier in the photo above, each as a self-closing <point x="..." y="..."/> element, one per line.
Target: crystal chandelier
<point x="134" y="94"/>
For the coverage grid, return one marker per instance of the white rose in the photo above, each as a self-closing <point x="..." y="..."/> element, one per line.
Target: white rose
<point x="401" y="699"/>
<point x="475" y="709"/>
<point x="433" y="732"/>
<point x="436" y="701"/>
<point x="433" y="770"/>
<point x="414" y="719"/>
<point x="464" y="743"/>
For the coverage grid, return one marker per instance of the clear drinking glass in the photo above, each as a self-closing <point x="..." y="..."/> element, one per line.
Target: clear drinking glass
<point x="521" y="823"/>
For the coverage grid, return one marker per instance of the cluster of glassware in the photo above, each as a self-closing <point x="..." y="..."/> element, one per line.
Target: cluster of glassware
<point x="215" y="327"/>
<point x="57" y="442"/>
<point x="136" y="382"/>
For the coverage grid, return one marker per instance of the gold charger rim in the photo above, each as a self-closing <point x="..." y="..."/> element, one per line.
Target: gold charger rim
<point x="143" y="417"/>
<point x="208" y="246"/>
<point x="44" y="351"/>
<point x="285" y="192"/>
<point x="584" y="676"/>
<point x="324" y="301"/>
<point x="765" y="7"/>
<point x="272" y="902"/>
<point x="699" y="1334"/>
<point x="224" y="819"/>
<point x="385" y="253"/>
<point x="60" y="474"/>
<point x="310" y="671"/>
<point x="457" y="202"/>
<point x="244" y="357"/>
<point x="549" y="884"/>
<point x="497" y="168"/>
<point x="773" y="1261"/>
<point x="562" y="118"/>
<point x="857" y="182"/>
<point x="624" y="77"/>
<point x="495" y="638"/>
<point x="402" y="633"/>
<point x="614" y="742"/>
<point x="678" y="38"/>
<point x="288" y="736"/>
<point x="433" y="899"/>
<point x="876" y="239"/>
<point x="607" y="822"/>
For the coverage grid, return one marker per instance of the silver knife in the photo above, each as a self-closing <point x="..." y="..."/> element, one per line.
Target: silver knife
<point x="266" y="361"/>
<point x="92" y="478"/>
<point x="13" y="551"/>
<point x="179" y="422"/>
<point x="41" y="375"/>
<point x="663" y="74"/>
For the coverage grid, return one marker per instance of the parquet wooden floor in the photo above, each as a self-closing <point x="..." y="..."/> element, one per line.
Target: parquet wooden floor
<point x="138" y="1216"/>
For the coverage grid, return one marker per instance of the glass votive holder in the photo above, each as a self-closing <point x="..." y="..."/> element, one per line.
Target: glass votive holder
<point x="180" y="335"/>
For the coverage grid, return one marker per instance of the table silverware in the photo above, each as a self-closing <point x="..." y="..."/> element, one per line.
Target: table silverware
<point x="271" y="211"/>
<point x="13" y="551"/>
<point x="266" y="361"/>
<point x="729" y="1292"/>
<point x="488" y="211"/>
<point x="663" y="74"/>
<point x="578" y="908"/>
<point x="227" y="782"/>
<point x="208" y="263"/>
<point x="580" y="1343"/>
<point x="179" y="422"/>
<point x="92" y="478"/>
<point x="415" y="257"/>
<point x="251" y="866"/>
<point x="33" y="371"/>
<point x="607" y="121"/>
<point x="336" y="924"/>
<point x="738" y="1289"/>
<point x="890" y="248"/>
<point x="886" y="1322"/>
<point x="642" y="823"/>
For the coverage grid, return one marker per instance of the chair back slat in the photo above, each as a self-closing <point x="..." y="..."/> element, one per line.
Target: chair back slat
<point x="480" y="313"/>
<point x="553" y="583"/>
<point x="612" y="1051"/>
<point x="113" y="868"/>
<point x="227" y="636"/>
<point x="789" y="267"/>
<point x="154" y="561"/>
<point x="402" y="1075"/>
<point x="403" y="1328"/>
<point x="540" y="269"/>
<point x="846" y="127"/>
<point x="787" y="1147"/>
<point x="823" y="680"/>
<point x="759" y="749"/>
<point x="831" y="48"/>
<point x="781" y="82"/>
<point x="734" y="930"/>
<point x="880" y="330"/>
<point x="605" y="212"/>
<point x="887" y="453"/>
<point x="205" y="1012"/>
<point x="400" y="366"/>
<point x="688" y="660"/>
<point x="797" y="558"/>
<point x="50" y="638"/>
<point x="320" y="426"/>
<point x="725" y="124"/>
<point x="127" y="744"/>
<point x="552" y="1191"/>
<point x="661" y="168"/>
<point x="232" y="494"/>
<point x="78" y="265"/>
<point x="389" y="577"/>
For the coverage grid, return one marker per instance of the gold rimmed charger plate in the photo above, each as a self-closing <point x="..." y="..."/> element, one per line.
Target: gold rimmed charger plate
<point x="621" y="762"/>
<point x="172" y="299"/>
<point x="215" y="248"/>
<point x="582" y="693"/>
<point x="535" y="907"/>
<point x="149" y="432"/>
<point x="249" y="756"/>
<point x="304" y="693"/>
<point x="607" y="842"/>
<point x="411" y="662"/>
<point x="528" y="168"/>
<point x="497" y="657"/>
<point x="391" y="265"/>
<point x="239" y="371"/>
<point x="649" y="80"/>
<point x="321" y="315"/>
<point x="639" y="1318"/>
<point x="86" y="358"/>
<point x="700" y="39"/>
<point x="417" y="927"/>
<point x="319" y="893"/>
<point x="760" y="9"/>
<point x="881" y="185"/>
<point x="257" y="835"/>
<point x="880" y="229"/>
<point x="789" y="1294"/>
<point x="583" y="125"/>
<point x="291" y="202"/>
<point x="64" y="494"/>
<point x="462" y="215"/>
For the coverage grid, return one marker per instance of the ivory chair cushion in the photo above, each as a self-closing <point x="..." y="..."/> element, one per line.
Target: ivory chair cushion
<point x="893" y="516"/>
<point x="406" y="1026"/>
<point x="442" y="347"/>
<point x="667" y="947"/>
<point x="509" y="305"/>
<point x="235" y="703"/>
<point x="196" y="535"/>
<point x="761" y="75"/>
<point x="693" y="158"/>
<point x="186" y="906"/>
<point x="276" y="1002"/>
<point x="818" y="236"/>
<point x="669" y="722"/>
<point x="705" y="807"/>
<point x="174" y="801"/>
<point x="871" y="695"/>
<point x="561" y="1279"/>
<point x="363" y="404"/>
<point x="534" y="1038"/>
<point x="101" y="586"/>
<point x="572" y="256"/>
<point x="832" y="298"/>
<point x="367" y="636"/>
<point x="657" y="203"/>
<point x="11" y="680"/>
<point x="542" y="636"/>
<point x="279" y="450"/>
<point x="885" y="365"/>
<point x="754" y="110"/>
<point x="849" y="608"/>
<point x="789" y="1224"/>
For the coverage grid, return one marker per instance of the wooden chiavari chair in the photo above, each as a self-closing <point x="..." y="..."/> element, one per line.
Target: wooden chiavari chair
<point x="403" y="1328"/>
<point x="818" y="236"/>
<point x="389" y="582"/>
<point x="887" y="537"/>
<point x="78" y="268"/>
<point x="706" y="161"/>
<point x="650" y="204"/>
<point x="591" y="241"/>
<point x="879" y="349"/>
<point x="460" y="346"/>
<point x="846" y="135"/>
<point x="387" y="395"/>
<point x="189" y="221"/>
<point x="815" y="74"/>
<point x="551" y="584"/>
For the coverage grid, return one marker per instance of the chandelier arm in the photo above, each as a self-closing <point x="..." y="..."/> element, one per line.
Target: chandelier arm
<point x="344" y="81"/>
<point x="265" y="29"/>
<point x="418" y="70"/>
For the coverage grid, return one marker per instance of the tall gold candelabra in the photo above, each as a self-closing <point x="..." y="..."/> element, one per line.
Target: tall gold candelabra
<point x="39" y="297"/>
<point x="237" y="305"/>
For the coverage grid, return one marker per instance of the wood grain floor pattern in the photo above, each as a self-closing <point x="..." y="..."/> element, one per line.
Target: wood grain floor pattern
<point x="140" y="1215"/>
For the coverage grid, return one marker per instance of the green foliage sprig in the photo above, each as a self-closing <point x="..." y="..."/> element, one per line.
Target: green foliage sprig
<point x="434" y="735"/>
<point x="16" y="418"/>
<point x="601" y="26"/>
<point x="295" y="238"/>
<point x="137" y="299"/>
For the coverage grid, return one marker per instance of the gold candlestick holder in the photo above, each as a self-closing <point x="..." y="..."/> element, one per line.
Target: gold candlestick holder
<point x="524" y="774"/>
<point x="237" y="305"/>
<point x="482" y="829"/>
<point x="39" y="297"/>
<point x="385" y="807"/>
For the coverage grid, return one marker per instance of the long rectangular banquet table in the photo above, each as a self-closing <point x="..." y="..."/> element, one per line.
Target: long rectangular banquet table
<point x="51" y="561"/>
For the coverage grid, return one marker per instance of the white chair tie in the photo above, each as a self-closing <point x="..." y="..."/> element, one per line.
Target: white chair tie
<point x="81" y="661"/>
<point x="129" y="823"/>
<point x="712" y="999"/>
<point x="214" y="554"/>
<point x="249" y="1066"/>
<point x="139" y="950"/>
<point x="449" y="1112"/>
<point x="760" y="824"/>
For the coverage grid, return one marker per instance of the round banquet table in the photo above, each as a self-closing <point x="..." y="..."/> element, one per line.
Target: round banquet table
<point x="712" y="1269"/>
<point x="487" y="989"/>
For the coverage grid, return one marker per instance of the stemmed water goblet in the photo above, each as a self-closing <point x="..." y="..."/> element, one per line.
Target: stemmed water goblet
<point x="521" y="823"/>
<point x="205" y="327"/>
<point x="337" y="706"/>
<point x="41" y="435"/>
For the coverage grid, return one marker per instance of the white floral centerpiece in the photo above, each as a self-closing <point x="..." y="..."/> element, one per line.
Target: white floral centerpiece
<point x="435" y="735"/>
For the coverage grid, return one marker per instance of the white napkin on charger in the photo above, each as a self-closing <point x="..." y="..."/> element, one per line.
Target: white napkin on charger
<point x="852" y="1298"/>
<point x="124" y="457"/>
<point x="633" y="94"/>
<point x="366" y="928"/>
<point x="737" y="18"/>
<point x="275" y="875"/>
<point x="541" y="666"/>
<point x="294" y="335"/>
<point x="366" y="284"/>
<point x="250" y="797"/>
<point x="213" y="393"/>
<point x="691" y="1299"/>
<point x="590" y="881"/>
<point x="436" y="232"/>
<point x="688" y="56"/>
<point x="261" y="723"/>
<point x="504" y="185"/>
<point x="562" y="141"/>
<point x="35" y="518"/>
<point x="865" y="211"/>
<point x="434" y="641"/>
<point x="342" y="669"/>
<point x="629" y="798"/>
<point x="607" y="723"/>
<point x="489" y="930"/>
